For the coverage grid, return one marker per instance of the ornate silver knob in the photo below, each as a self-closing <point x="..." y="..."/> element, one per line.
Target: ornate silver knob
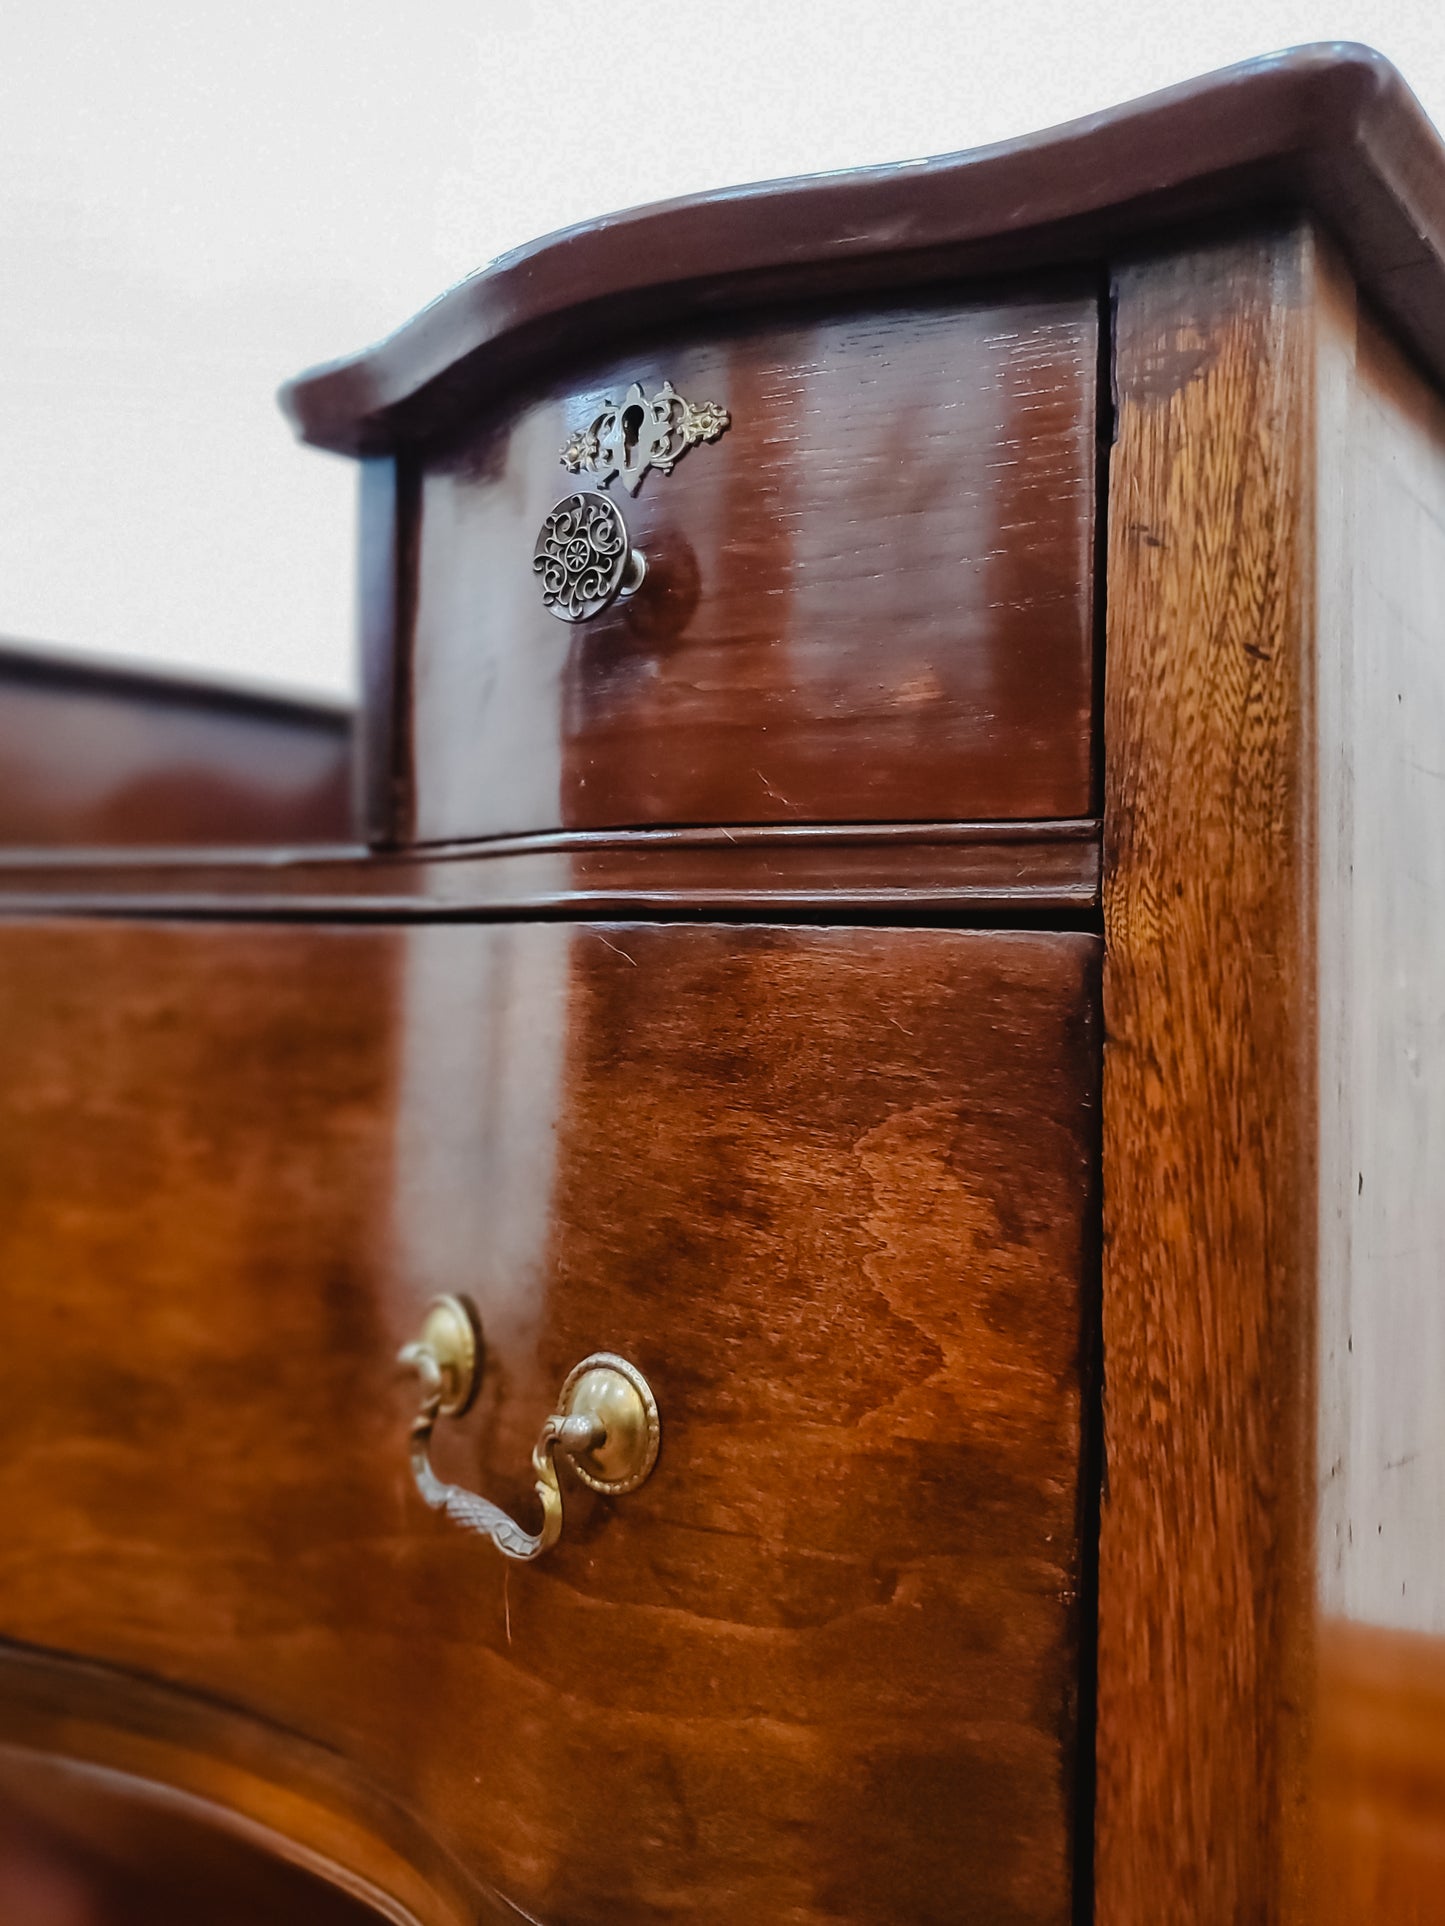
<point x="583" y="558"/>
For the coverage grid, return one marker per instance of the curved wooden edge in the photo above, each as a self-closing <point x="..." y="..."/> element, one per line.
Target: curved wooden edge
<point x="64" y="668"/>
<point x="1332" y="127"/>
<point x="788" y="872"/>
<point x="253" y="1781"/>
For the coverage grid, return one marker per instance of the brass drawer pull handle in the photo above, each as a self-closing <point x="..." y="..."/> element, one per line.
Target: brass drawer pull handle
<point x="584" y="559"/>
<point x="606" y="1423"/>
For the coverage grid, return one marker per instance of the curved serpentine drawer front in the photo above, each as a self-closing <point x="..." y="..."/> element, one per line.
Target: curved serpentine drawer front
<point x="868" y="596"/>
<point x="828" y="1189"/>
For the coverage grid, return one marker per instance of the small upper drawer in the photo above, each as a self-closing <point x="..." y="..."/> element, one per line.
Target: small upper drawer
<point x="868" y="599"/>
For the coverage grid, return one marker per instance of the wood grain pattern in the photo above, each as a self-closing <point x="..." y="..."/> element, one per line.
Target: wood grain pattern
<point x="1275" y="910"/>
<point x="99" y="755"/>
<point x="830" y="1189"/>
<point x="1330" y="127"/>
<point x="1205" y="1585"/>
<point x="869" y="601"/>
<point x="978" y="871"/>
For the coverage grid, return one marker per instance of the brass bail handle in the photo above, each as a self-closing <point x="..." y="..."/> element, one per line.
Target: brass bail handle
<point x="606" y="1424"/>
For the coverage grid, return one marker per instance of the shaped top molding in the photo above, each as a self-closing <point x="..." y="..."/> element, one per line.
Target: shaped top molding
<point x="1331" y="129"/>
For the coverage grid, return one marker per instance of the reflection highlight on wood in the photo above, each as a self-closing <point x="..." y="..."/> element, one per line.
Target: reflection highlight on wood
<point x="99" y="755"/>
<point x="830" y="1189"/>
<point x="871" y="600"/>
<point x="1378" y="1847"/>
<point x="120" y="1792"/>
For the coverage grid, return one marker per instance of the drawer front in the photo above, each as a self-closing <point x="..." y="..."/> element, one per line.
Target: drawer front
<point x="868" y="600"/>
<point x="830" y="1190"/>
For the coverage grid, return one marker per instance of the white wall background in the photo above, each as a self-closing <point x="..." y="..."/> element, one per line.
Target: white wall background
<point x="197" y="200"/>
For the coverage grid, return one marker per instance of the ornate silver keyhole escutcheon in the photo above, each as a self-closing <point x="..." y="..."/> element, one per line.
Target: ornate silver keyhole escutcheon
<point x="583" y="558"/>
<point x="642" y="432"/>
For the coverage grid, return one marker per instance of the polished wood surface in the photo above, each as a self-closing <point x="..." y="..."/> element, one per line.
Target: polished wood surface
<point x="1205" y="1579"/>
<point x="1274" y="1120"/>
<point x="117" y="1783"/>
<point x="869" y="600"/>
<point x="975" y="872"/>
<point x="98" y="755"/>
<point x="1378" y="1783"/>
<point x="81" y="1849"/>
<point x="831" y="1190"/>
<point x="387" y="529"/>
<point x="660" y="1002"/>
<point x="1332" y="127"/>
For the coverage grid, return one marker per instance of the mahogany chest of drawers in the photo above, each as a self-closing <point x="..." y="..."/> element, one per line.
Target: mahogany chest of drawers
<point x="875" y="1052"/>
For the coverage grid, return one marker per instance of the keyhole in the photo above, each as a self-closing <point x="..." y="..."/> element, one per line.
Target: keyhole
<point x="631" y="426"/>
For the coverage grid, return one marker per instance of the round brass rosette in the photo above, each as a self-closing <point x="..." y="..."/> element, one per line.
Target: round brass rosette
<point x="583" y="558"/>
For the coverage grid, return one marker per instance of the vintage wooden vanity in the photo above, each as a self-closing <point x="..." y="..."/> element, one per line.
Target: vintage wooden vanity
<point x="806" y="1281"/>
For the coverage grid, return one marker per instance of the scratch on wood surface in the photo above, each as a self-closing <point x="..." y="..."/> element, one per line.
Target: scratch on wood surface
<point x="617" y="947"/>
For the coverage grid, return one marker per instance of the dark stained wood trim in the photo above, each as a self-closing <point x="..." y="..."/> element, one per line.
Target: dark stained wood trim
<point x="1205" y="1573"/>
<point x="387" y="549"/>
<point x="379" y="767"/>
<point x="1331" y="127"/>
<point x="908" y="871"/>
<point x="37" y="665"/>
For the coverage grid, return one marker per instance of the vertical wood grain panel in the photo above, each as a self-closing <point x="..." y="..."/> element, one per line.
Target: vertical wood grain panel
<point x="1208" y="1179"/>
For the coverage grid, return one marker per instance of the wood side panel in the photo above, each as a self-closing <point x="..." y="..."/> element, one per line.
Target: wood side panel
<point x="830" y="1189"/>
<point x="97" y="756"/>
<point x="1379" y="1835"/>
<point x="1206" y="1534"/>
<point x="870" y="600"/>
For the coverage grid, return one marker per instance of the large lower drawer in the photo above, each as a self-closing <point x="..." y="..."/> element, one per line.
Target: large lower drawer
<point x="830" y="1189"/>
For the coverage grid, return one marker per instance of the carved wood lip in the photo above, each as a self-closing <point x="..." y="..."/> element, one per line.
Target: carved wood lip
<point x="237" y="1772"/>
<point x="787" y="870"/>
<point x="1331" y="127"/>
